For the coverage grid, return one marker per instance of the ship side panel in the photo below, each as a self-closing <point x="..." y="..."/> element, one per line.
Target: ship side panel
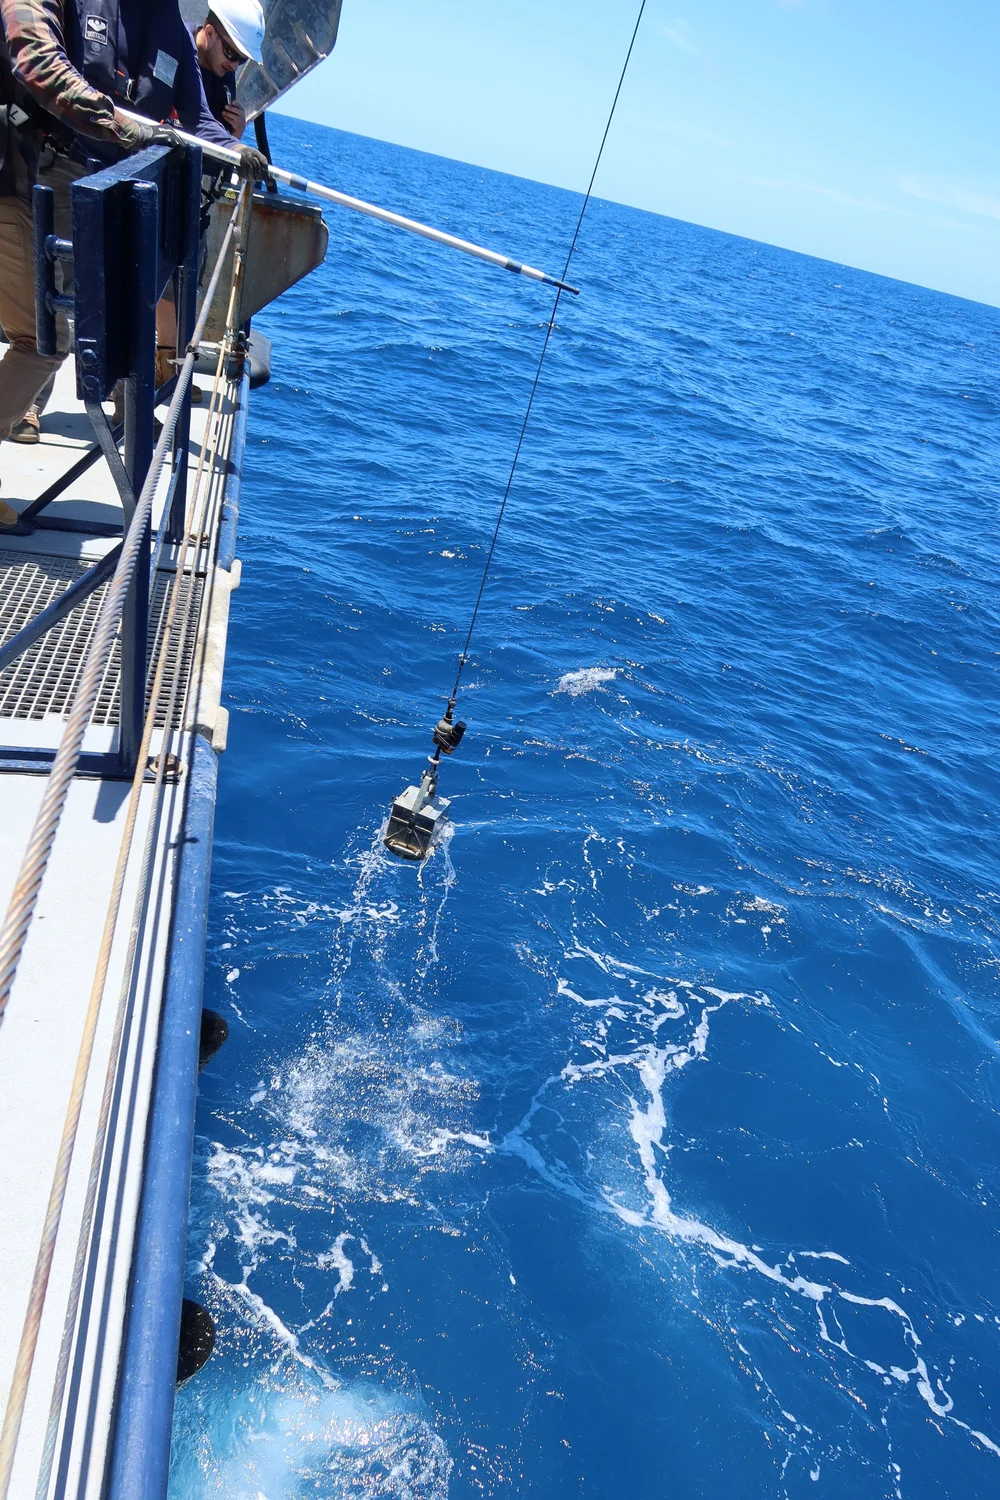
<point x="141" y="1446"/>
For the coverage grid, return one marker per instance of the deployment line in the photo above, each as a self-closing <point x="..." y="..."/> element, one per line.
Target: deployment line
<point x="418" y="815"/>
<point x="541" y="360"/>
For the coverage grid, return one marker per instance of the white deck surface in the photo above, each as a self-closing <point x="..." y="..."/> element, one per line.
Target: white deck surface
<point x="41" y="1033"/>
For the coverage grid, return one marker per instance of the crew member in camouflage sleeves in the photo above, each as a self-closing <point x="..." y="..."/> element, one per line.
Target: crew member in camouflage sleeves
<point x="69" y="68"/>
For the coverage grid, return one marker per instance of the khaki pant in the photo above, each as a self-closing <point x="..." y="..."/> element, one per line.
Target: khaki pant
<point x="23" y="371"/>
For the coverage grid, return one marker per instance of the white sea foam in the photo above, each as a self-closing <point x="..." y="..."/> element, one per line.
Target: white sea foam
<point x="638" y="1028"/>
<point x="360" y="1114"/>
<point x="340" y="1262"/>
<point x="273" y="1443"/>
<point x="758" y="903"/>
<point x="268" y="1172"/>
<point x="268" y="1320"/>
<point x="651" y="1060"/>
<point x="584" y="681"/>
<point x="442" y="1138"/>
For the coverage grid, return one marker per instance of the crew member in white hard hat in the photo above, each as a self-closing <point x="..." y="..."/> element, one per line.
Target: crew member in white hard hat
<point x="231" y="34"/>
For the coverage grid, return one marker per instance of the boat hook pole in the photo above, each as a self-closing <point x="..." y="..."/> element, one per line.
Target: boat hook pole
<point x="317" y="190"/>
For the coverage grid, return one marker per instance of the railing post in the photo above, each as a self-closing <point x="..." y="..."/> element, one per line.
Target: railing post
<point x="186" y="307"/>
<point x="139" y="398"/>
<point x="43" y="219"/>
<point x="48" y="249"/>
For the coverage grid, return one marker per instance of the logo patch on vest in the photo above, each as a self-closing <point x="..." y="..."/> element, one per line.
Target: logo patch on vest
<point x="166" y="68"/>
<point x="95" y="29"/>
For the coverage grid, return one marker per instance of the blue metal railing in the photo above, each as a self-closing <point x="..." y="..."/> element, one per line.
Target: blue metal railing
<point x="233" y="492"/>
<point x="140" y="1458"/>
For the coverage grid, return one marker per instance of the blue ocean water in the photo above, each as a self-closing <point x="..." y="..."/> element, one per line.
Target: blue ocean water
<point x="644" y="1142"/>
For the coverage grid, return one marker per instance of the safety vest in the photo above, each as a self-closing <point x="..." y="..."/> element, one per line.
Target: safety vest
<point x="127" y="49"/>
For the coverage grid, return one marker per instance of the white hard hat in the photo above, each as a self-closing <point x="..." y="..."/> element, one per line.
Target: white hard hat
<point x="244" y="24"/>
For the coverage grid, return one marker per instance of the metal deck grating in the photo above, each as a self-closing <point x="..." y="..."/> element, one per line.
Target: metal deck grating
<point x="44" y="679"/>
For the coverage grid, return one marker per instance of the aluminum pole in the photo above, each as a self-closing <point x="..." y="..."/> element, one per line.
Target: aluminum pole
<point x="330" y="195"/>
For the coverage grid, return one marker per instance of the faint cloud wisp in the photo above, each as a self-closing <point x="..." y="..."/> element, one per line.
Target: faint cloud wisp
<point x="950" y="193"/>
<point x="679" y="34"/>
<point x="822" y="192"/>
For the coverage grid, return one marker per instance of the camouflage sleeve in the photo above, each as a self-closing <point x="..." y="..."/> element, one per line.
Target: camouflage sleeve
<point x="34" y="32"/>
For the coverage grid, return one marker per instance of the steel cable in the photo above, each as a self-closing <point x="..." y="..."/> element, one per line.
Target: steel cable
<point x="35" y="861"/>
<point x="464" y="656"/>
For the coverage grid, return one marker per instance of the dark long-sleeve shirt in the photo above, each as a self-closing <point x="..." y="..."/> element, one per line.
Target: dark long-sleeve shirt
<point x="35" y="34"/>
<point x="218" y="91"/>
<point x="35" y="41"/>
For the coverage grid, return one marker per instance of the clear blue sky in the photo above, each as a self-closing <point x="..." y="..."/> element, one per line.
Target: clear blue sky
<point x="864" y="131"/>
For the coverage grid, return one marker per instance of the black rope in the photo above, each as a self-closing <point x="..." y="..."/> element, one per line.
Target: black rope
<point x="463" y="659"/>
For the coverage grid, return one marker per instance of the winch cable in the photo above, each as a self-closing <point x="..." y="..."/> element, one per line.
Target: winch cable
<point x="417" y="815"/>
<point x="464" y="657"/>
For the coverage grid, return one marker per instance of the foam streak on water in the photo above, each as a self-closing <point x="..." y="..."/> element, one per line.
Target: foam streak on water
<point x="653" y="1065"/>
<point x="645" y="1139"/>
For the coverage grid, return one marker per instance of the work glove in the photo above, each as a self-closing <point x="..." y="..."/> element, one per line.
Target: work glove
<point x="253" y="165"/>
<point x="134" y="134"/>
